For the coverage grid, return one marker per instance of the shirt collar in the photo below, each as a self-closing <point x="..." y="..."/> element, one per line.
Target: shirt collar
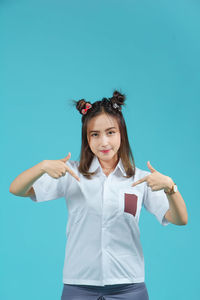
<point x="95" y="165"/>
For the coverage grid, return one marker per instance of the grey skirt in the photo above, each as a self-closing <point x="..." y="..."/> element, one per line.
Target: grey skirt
<point x="130" y="291"/>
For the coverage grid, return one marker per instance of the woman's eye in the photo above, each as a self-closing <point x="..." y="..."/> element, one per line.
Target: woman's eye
<point x="94" y="134"/>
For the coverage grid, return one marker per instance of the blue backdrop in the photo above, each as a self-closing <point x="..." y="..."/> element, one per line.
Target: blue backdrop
<point x="54" y="51"/>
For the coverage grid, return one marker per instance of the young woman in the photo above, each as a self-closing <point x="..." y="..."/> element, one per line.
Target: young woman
<point x="104" y="194"/>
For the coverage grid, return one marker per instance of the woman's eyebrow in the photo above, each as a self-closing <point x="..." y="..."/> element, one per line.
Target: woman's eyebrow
<point x="105" y="129"/>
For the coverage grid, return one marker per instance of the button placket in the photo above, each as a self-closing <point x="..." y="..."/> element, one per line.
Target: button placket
<point x="104" y="222"/>
<point x="105" y="200"/>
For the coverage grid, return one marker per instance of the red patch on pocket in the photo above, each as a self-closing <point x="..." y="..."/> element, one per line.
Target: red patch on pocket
<point x="130" y="203"/>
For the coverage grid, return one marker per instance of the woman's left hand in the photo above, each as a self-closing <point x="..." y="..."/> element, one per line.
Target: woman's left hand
<point x="156" y="181"/>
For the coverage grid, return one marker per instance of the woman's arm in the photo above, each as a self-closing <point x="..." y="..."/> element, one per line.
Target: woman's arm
<point x="177" y="213"/>
<point x="24" y="181"/>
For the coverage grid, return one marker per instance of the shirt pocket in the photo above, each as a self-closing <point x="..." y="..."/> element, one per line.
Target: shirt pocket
<point x="128" y="201"/>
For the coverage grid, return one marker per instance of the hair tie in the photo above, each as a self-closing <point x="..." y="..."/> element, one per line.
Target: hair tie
<point x="115" y="105"/>
<point x="84" y="110"/>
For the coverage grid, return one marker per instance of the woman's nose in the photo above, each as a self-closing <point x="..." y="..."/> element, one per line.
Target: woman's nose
<point x="104" y="140"/>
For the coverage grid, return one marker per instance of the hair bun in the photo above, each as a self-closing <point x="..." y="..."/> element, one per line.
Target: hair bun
<point x="80" y="104"/>
<point x="118" y="98"/>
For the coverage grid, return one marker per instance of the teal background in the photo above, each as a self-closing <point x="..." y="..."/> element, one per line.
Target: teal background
<point x="55" y="51"/>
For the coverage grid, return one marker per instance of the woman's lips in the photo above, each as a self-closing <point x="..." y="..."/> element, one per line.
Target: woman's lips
<point x="105" y="151"/>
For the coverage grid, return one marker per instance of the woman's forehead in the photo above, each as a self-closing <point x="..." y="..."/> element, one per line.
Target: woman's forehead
<point x="102" y="122"/>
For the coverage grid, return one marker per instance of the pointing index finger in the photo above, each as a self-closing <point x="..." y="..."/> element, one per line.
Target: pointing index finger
<point x="72" y="173"/>
<point x="140" y="181"/>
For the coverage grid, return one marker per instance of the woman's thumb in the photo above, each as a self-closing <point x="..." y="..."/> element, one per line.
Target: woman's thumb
<point x="67" y="157"/>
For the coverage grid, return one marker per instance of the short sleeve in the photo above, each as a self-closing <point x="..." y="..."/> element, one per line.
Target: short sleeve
<point x="48" y="188"/>
<point x="156" y="202"/>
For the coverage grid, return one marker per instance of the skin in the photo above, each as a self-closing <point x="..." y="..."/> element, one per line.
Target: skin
<point x="104" y="139"/>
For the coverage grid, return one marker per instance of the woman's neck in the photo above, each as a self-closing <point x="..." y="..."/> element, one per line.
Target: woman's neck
<point x="109" y="165"/>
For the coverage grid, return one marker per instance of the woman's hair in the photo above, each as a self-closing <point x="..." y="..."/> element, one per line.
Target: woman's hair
<point x="110" y="106"/>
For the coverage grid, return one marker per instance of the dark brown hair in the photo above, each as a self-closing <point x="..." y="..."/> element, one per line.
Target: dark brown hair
<point x="105" y="106"/>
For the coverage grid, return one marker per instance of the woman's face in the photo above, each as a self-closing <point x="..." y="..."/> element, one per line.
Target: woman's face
<point x="103" y="134"/>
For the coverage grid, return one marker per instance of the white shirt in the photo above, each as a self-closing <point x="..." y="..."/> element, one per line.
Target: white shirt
<point x="103" y="237"/>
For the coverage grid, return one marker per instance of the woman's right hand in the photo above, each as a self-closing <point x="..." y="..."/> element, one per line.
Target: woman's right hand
<point x="58" y="168"/>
